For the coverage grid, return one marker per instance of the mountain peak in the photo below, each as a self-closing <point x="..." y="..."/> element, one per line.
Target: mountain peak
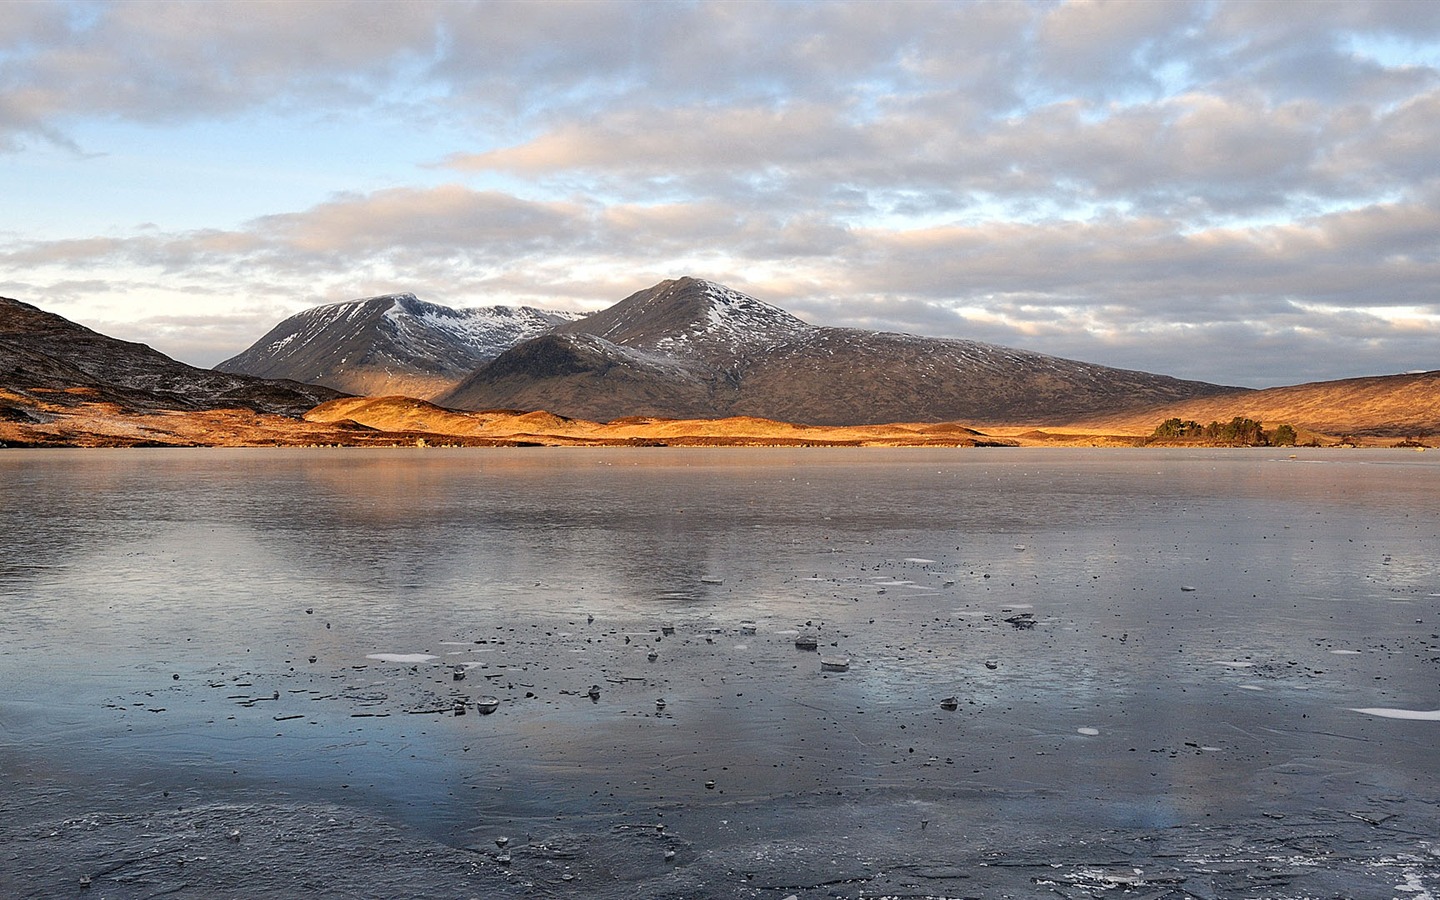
<point x="392" y="343"/>
<point x="691" y="313"/>
<point x="378" y="304"/>
<point x="398" y="297"/>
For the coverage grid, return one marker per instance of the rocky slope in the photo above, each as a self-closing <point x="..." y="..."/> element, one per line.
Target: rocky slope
<point x="394" y="344"/>
<point x="45" y="358"/>
<point x="690" y="348"/>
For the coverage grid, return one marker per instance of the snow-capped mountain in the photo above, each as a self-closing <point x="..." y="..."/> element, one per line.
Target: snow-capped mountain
<point x="690" y="348"/>
<point x="393" y="344"/>
<point x="693" y="317"/>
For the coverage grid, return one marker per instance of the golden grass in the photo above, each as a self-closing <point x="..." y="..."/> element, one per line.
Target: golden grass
<point x="394" y="414"/>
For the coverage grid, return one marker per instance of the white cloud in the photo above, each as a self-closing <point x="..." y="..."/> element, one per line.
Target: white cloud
<point x="1230" y="191"/>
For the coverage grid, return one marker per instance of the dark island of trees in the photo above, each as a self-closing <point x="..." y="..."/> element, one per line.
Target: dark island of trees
<point x="1238" y="432"/>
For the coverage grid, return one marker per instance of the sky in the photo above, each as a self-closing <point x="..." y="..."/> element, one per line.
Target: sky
<point x="1238" y="192"/>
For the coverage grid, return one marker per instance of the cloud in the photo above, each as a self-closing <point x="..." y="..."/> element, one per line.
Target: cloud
<point x="1201" y="187"/>
<point x="410" y="224"/>
<point x="1095" y="45"/>
<point x="488" y="63"/>
<point x="681" y="142"/>
<point x="1109" y="288"/>
<point x="1189" y="155"/>
<point x="158" y="64"/>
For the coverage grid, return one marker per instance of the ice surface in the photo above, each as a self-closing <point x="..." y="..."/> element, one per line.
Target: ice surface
<point x="203" y="564"/>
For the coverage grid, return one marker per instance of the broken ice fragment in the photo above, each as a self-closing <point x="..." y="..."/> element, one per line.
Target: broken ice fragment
<point x="1423" y="715"/>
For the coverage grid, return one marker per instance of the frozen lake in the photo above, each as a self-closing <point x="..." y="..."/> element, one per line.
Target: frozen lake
<point x="1175" y="673"/>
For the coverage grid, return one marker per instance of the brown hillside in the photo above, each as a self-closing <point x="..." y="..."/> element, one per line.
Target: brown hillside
<point x="1388" y="406"/>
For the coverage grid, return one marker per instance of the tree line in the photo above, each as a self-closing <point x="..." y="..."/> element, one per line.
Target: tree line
<point x="1239" y="431"/>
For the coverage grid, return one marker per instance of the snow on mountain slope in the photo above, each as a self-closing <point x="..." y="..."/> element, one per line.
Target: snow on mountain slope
<point x="392" y="344"/>
<point x="486" y="331"/>
<point x="691" y="316"/>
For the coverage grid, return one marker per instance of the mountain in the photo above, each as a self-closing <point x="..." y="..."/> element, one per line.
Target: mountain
<point x="690" y="348"/>
<point x="394" y="344"/>
<point x="47" y="360"/>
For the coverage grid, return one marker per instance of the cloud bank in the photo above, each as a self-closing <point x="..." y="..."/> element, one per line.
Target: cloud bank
<point x="1238" y="192"/>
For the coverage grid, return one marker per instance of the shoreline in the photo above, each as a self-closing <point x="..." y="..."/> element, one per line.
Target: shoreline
<point x="405" y="422"/>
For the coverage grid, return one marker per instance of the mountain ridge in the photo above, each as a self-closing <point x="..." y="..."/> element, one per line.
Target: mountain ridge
<point x="689" y="348"/>
<point x="62" y="384"/>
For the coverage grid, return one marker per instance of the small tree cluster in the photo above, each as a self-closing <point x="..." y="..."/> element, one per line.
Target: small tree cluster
<point x="1174" y="429"/>
<point x="1239" y="431"/>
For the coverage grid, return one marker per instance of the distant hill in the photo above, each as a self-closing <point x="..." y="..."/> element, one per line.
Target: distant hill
<point x="690" y="348"/>
<point x="47" y="359"/>
<point x="1378" y="406"/>
<point x="393" y="344"/>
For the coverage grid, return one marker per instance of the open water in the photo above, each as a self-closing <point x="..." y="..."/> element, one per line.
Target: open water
<point x="1174" y="673"/>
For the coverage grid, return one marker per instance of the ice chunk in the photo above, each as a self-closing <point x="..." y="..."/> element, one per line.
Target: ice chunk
<point x="1426" y="715"/>
<point x="400" y="657"/>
